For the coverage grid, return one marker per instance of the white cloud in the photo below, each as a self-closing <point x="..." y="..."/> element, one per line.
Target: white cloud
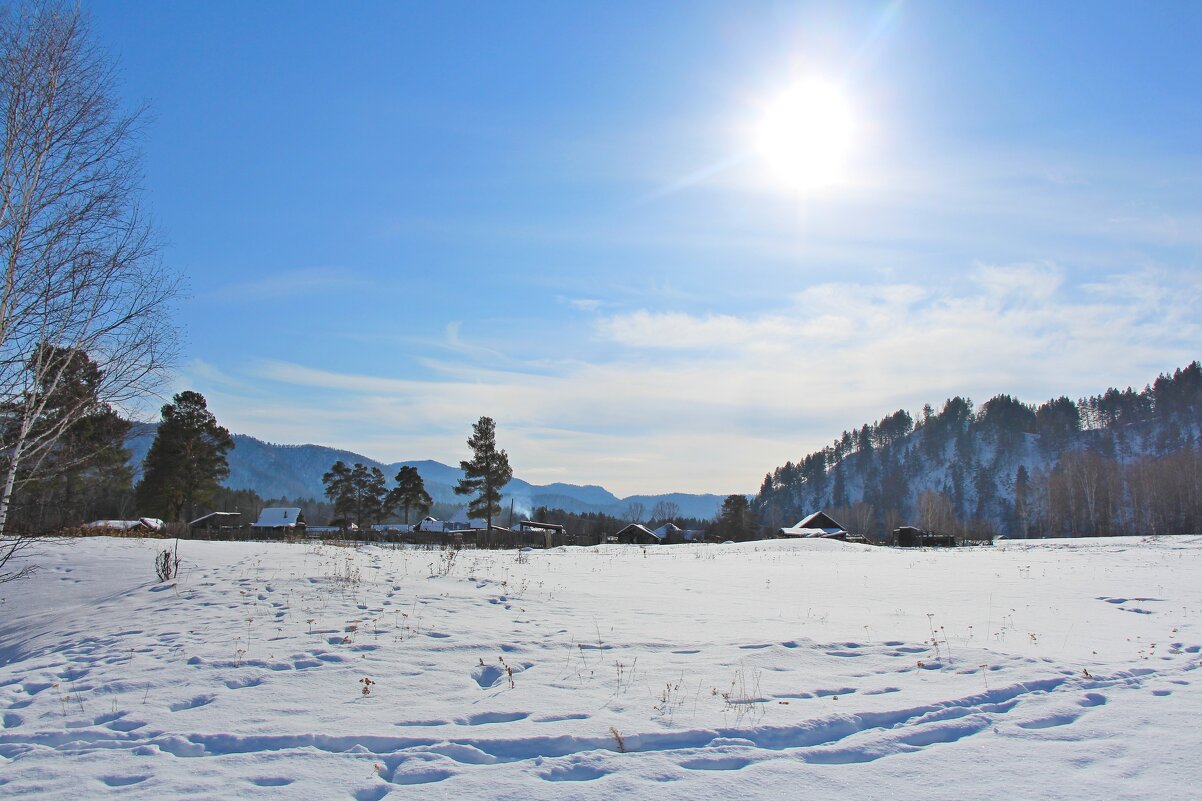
<point x="710" y="402"/>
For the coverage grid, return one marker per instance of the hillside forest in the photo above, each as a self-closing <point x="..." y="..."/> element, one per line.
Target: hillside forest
<point x="1120" y="462"/>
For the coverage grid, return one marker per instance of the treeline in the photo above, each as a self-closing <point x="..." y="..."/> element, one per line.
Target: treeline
<point x="316" y="512"/>
<point x="593" y="526"/>
<point x="1118" y="462"/>
<point x="86" y="475"/>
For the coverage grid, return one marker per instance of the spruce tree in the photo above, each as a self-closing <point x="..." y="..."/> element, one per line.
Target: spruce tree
<point x="487" y="472"/>
<point x="186" y="462"/>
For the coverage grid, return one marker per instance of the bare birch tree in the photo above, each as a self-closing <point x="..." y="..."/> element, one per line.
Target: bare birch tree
<point x="78" y="263"/>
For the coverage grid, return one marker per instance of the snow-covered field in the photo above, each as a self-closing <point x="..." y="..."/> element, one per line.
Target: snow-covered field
<point x="774" y="670"/>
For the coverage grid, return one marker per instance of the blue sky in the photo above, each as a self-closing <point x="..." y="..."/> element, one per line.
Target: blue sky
<point x="396" y="217"/>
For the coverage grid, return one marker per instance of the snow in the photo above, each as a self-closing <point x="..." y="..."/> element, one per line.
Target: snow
<point x="277" y="517"/>
<point x="148" y="523"/>
<point x="795" y="531"/>
<point x="778" y="669"/>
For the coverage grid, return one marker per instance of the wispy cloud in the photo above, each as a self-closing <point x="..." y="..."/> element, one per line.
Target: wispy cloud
<point x="583" y="304"/>
<point x="302" y="282"/>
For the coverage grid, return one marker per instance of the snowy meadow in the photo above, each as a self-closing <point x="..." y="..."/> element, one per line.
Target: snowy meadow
<point x="776" y="669"/>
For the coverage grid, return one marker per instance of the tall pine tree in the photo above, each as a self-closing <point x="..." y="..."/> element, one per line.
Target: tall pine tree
<point x="358" y="493"/>
<point x="409" y="493"/>
<point x="186" y="462"/>
<point x="735" y="519"/>
<point x="487" y="472"/>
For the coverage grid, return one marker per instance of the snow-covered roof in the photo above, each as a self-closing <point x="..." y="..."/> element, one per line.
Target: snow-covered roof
<point x="278" y="517"/>
<point x="534" y="524"/>
<point x="818" y="524"/>
<point x="216" y="516"/>
<point x="148" y="523"/>
<point x="667" y="529"/>
<point x="639" y="528"/>
<point x="795" y="531"/>
<point x="819" y="520"/>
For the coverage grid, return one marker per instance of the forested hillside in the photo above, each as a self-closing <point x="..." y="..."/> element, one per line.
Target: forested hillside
<point x="1121" y="462"/>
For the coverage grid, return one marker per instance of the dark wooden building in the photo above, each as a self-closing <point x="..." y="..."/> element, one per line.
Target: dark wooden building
<point x="217" y="524"/>
<point x="913" y="537"/>
<point x="637" y="534"/>
<point x="553" y="534"/>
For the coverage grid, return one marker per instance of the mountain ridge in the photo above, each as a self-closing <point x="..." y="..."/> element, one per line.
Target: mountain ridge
<point x="295" y="471"/>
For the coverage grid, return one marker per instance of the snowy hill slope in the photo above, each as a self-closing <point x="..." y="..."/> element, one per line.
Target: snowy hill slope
<point x="806" y="670"/>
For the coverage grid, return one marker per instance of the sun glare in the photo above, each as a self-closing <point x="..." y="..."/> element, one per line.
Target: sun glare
<point x="805" y="135"/>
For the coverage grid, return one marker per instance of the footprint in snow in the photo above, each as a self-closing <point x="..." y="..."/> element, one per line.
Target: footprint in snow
<point x="192" y="703"/>
<point x="419" y="776"/>
<point x="572" y="773"/>
<point x="238" y="684"/>
<point x="718" y="763"/>
<point x="123" y="781"/>
<point x="481" y="718"/>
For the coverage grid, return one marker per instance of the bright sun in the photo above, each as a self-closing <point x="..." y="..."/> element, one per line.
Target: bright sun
<point x="805" y="135"/>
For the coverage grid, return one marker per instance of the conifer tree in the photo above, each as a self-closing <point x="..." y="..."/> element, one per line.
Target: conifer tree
<point x="358" y="493"/>
<point x="85" y="470"/>
<point x="186" y="462"/>
<point x="487" y="472"/>
<point x="409" y="493"/>
<point x="734" y="521"/>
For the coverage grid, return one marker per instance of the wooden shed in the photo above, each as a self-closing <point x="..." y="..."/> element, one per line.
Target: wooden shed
<point x="217" y="524"/>
<point x="913" y="537"/>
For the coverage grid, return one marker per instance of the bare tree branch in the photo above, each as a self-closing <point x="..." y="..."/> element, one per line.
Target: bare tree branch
<point x="79" y="268"/>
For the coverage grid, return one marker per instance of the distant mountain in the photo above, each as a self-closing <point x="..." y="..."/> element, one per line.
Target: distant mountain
<point x="295" y="471"/>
